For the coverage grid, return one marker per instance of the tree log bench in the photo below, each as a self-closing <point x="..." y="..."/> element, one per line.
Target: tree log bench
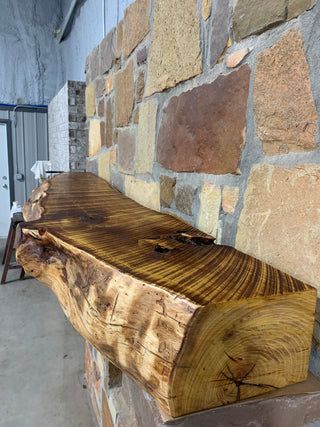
<point x="198" y="325"/>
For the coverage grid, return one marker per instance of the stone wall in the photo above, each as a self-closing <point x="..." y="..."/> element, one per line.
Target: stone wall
<point x="209" y="110"/>
<point x="67" y="128"/>
<point x="88" y="27"/>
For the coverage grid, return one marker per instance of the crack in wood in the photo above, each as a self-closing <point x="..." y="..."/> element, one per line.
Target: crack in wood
<point x="240" y="382"/>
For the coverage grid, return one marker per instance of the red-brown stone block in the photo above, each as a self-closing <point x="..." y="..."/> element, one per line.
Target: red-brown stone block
<point x="203" y="130"/>
<point x="135" y="25"/>
<point x="285" y="113"/>
<point x="107" y="52"/>
<point x="124" y="94"/>
<point x="101" y="109"/>
<point x="220" y="30"/>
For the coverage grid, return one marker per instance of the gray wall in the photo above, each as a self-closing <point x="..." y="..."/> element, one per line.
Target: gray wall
<point x="30" y="58"/>
<point x="89" y="27"/>
<point x="33" y="65"/>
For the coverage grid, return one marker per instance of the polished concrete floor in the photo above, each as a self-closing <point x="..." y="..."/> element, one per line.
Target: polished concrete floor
<point x="41" y="360"/>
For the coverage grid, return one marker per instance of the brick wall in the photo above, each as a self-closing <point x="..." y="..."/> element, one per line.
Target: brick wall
<point x="67" y="128"/>
<point x="208" y="110"/>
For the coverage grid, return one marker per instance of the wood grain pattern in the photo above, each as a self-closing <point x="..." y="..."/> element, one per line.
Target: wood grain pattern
<point x="196" y="324"/>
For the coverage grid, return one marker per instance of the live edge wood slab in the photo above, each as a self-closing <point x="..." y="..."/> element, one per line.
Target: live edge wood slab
<point x="196" y="324"/>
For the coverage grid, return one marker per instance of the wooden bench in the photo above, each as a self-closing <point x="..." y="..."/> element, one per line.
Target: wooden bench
<point x="9" y="249"/>
<point x="196" y="324"/>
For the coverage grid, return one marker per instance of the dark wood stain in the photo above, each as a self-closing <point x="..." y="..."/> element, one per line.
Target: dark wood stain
<point x="84" y="211"/>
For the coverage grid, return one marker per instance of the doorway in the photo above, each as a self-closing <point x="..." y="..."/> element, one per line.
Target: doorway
<point x="5" y="177"/>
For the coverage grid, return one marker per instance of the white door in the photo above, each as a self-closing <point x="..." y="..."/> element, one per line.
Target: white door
<point x="4" y="182"/>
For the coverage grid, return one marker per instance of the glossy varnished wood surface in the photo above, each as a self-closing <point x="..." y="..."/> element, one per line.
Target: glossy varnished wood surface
<point x="196" y="324"/>
<point x="86" y="212"/>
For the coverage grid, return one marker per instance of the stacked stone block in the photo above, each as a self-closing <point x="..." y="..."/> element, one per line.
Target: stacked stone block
<point x="77" y="126"/>
<point x="67" y="128"/>
<point x="211" y="114"/>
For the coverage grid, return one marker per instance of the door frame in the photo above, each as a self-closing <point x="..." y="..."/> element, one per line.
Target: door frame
<point x="7" y="123"/>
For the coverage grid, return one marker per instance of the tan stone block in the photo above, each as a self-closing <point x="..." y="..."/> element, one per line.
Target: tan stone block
<point x="145" y="152"/>
<point x="109" y="84"/>
<point x="135" y="25"/>
<point x="235" y="58"/>
<point x="135" y="115"/>
<point x="115" y="136"/>
<point x="206" y="9"/>
<point x="279" y="222"/>
<point x="96" y="136"/>
<point x="104" y="165"/>
<point x="109" y="108"/>
<point x="255" y="17"/>
<point x="140" y="87"/>
<point x="119" y="40"/>
<point x="92" y="165"/>
<point x="296" y="7"/>
<point x="113" y="156"/>
<point x="91" y="100"/>
<point x="210" y="203"/>
<point x="103" y="133"/>
<point x="126" y="147"/>
<point x="167" y="185"/>
<point x="145" y="193"/>
<point x="175" y="53"/>
<point x="230" y="196"/>
<point x="100" y="83"/>
<point x="124" y="94"/>
<point x="101" y="108"/>
<point x="284" y="108"/>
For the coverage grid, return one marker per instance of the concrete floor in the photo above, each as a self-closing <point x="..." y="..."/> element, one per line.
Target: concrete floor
<point x="41" y="360"/>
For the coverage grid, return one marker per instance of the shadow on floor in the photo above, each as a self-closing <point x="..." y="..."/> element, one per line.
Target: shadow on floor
<point x="41" y="360"/>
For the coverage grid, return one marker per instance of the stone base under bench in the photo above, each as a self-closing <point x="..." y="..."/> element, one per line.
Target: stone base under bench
<point x="119" y="402"/>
